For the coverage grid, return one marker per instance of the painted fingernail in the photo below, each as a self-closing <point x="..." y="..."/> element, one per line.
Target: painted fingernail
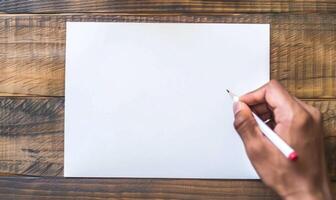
<point x="236" y="107"/>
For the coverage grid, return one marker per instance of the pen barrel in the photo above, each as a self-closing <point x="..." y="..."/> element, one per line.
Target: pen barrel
<point x="274" y="138"/>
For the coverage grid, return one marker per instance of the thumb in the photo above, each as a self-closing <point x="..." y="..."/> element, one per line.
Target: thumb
<point x="244" y="122"/>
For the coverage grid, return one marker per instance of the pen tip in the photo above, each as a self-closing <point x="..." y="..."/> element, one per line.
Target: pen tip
<point x="233" y="96"/>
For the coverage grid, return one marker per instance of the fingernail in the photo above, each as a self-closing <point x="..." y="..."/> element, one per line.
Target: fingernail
<point x="236" y="107"/>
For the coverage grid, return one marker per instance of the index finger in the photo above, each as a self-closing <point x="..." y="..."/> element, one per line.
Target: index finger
<point x="272" y="93"/>
<point x="255" y="97"/>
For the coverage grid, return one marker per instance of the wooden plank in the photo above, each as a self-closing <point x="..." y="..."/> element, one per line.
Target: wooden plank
<point x="31" y="57"/>
<point x="69" y="188"/>
<point x="31" y="135"/>
<point x="328" y="111"/>
<point x="161" y="6"/>
<point x="60" y="188"/>
<point x="303" y="50"/>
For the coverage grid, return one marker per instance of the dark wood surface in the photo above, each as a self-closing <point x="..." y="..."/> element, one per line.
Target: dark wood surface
<point x="60" y="188"/>
<point x="168" y="6"/>
<point x="70" y="188"/>
<point x="32" y="54"/>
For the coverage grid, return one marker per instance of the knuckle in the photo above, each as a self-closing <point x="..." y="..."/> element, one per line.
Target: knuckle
<point x="290" y="116"/>
<point x="299" y="117"/>
<point x="254" y="150"/>
<point x="273" y="82"/>
<point x="303" y="118"/>
<point x="316" y="114"/>
<point x="242" y="124"/>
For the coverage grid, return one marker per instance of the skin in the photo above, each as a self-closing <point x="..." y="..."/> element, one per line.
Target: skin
<point x="299" y="125"/>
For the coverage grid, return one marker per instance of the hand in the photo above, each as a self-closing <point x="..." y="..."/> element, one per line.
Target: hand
<point x="300" y="126"/>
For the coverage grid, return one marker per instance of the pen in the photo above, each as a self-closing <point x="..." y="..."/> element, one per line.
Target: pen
<point x="270" y="134"/>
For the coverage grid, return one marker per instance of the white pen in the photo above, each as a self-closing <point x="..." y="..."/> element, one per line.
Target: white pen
<point x="270" y="134"/>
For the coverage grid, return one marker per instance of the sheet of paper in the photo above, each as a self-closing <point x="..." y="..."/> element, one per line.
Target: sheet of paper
<point x="148" y="99"/>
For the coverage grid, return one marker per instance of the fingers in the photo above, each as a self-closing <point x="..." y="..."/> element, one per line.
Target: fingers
<point x="255" y="143"/>
<point x="260" y="109"/>
<point x="273" y="94"/>
<point x="266" y="117"/>
<point x="245" y="123"/>
<point x="314" y="112"/>
<point x="255" y="97"/>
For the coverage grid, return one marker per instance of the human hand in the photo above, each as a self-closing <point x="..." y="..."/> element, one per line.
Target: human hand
<point x="300" y="126"/>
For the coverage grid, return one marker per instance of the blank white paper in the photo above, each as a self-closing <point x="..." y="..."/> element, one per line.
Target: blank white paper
<point x="148" y="99"/>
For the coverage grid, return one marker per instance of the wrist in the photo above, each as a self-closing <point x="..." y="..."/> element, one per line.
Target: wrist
<point x="318" y="194"/>
<point x="305" y="195"/>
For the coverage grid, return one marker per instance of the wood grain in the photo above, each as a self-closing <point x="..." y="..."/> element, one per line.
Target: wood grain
<point x="32" y="55"/>
<point x="60" y="188"/>
<point x="303" y="50"/>
<point x="168" y="6"/>
<point x="31" y="135"/>
<point x="328" y="111"/>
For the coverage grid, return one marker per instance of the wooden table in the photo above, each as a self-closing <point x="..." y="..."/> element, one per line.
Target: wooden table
<point x="32" y="53"/>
